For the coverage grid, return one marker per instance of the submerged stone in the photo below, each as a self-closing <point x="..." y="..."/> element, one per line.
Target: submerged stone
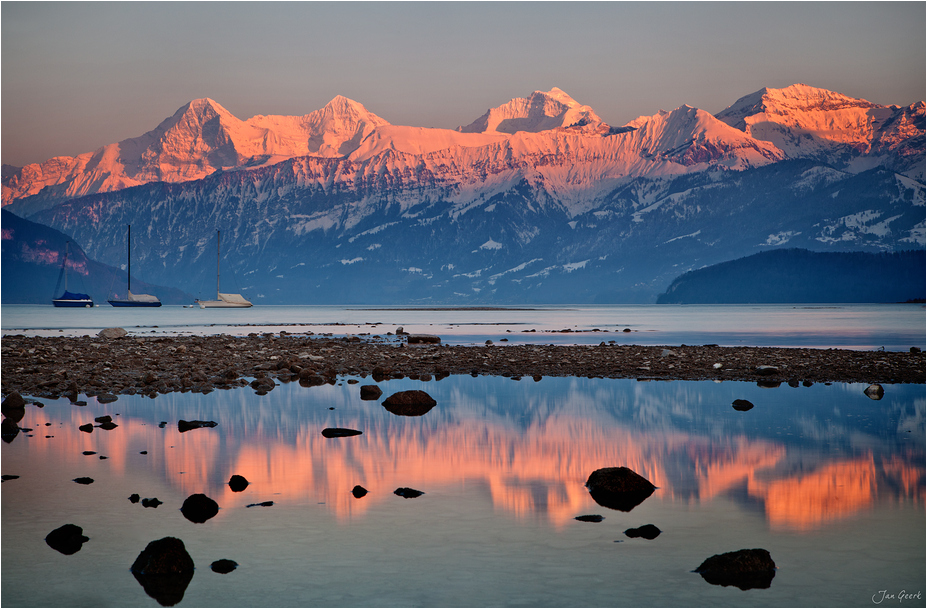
<point x="648" y="531"/>
<point x="742" y="405"/>
<point x="223" y="566"/>
<point x="340" y="432"/>
<point x="408" y="493"/>
<point x="164" y="569"/>
<point x="412" y="403"/>
<point x="238" y="483"/>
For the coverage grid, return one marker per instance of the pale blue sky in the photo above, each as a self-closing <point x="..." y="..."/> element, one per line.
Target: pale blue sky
<point x="76" y="76"/>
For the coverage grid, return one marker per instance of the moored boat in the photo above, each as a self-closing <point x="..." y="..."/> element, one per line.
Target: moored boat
<point x="70" y="299"/>
<point x="223" y="301"/>
<point x="133" y="300"/>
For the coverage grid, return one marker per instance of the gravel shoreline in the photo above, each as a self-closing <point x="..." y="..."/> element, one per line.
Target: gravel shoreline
<point x="94" y="366"/>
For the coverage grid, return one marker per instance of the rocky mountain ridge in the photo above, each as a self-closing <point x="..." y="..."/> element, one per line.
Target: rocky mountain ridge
<point x="339" y="206"/>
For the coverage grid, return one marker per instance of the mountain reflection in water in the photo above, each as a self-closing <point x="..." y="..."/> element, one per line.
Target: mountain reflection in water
<point x="809" y="456"/>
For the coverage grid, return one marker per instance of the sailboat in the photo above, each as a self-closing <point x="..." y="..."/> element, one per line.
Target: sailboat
<point x="223" y="301"/>
<point x="70" y="299"/>
<point x="134" y="300"/>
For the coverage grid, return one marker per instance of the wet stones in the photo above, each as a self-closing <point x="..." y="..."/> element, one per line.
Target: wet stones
<point x="238" y="483"/>
<point x="67" y="539"/>
<point x="767" y="370"/>
<point x="742" y="405"/>
<point x="340" y="432"/>
<point x="358" y="491"/>
<point x="164" y="569"/>
<point x="618" y="488"/>
<point x="370" y="392"/>
<point x="84" y="480"/>
<point x="87" y="428"/>
<point x="199" y="508"/>
<point x="412" y="403"/>
<point x="183" y="426"/>
<point x="744" y="569"/>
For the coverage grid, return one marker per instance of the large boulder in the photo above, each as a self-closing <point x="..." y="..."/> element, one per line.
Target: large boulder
<point x="14" y="407"/>
<point x="412" y="403"/>
<point x="618" y="488"/>
<point x="199" y="508"/>
<point x="67" y="539"/>
<point x="164" y="569"/>
<point x="745" y="569"/>
<point x="112" y="333"/>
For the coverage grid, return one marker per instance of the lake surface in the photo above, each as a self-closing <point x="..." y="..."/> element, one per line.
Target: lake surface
<point x="830" y="482"/>
<point x="862" y="327"/>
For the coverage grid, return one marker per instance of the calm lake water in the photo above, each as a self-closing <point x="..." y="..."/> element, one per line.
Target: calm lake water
<point x="864" y="327"/>
<point x="830" y="482"/>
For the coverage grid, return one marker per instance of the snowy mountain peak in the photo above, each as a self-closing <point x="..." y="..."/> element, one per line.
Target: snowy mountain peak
<point x="807" y="121"/>
<point x="541" y="111"/>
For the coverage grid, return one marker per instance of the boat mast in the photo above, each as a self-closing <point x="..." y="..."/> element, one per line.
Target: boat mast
<point x="129" y="256"/>
<point x="66" y="244"/>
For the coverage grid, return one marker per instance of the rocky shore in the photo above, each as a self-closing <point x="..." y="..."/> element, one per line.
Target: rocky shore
<point x="104" y="367"/>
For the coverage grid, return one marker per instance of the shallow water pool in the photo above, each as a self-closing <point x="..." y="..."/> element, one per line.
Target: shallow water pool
<point x="829" y="481"/>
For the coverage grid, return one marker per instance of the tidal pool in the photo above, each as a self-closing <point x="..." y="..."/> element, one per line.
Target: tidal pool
<point x="829" y="481"/>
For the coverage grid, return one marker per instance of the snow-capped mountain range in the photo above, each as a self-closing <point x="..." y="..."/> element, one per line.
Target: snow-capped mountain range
<point x="538" y="200"/>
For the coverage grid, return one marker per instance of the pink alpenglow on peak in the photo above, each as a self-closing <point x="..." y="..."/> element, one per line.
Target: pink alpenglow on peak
<point x="541" y="111"/>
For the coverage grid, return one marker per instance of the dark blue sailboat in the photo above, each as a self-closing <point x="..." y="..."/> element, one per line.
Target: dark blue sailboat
<point x="133" y="300"/>
<point x="70" y="299"/>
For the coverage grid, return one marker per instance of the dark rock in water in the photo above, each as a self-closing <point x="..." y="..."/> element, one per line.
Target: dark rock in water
<point x="745" y="569"/>
<point x="151" y="502"/>
<point x="6" y="477"/>
<point x="13" y="407"/>
<point x="223" y="566"/>
<point x="199" y="508"/>
<point x="106" y="398"/>
<point x="340" y="432"/>
<point x="89" y="452"/>
<point x="134" y="497"/>
<point x="370" y="392"/>
<point x="67" y="539"/>
<point x="262" y="504"/>
<point x="83" y="480"/>
<point x="742" y="405"/>
<point x="618" y="488"/>
<point x="423" y="339"/>
<point x="590" y="518"/>
<point x="874" y="392"/>
<point x="358" y="491"/>
<point x="162" y="424"/>
<point x="238" y="483"/>
<point x="263" y="384"/>
<point x="648" y="531"/>
<point x="9" y="430"/>
<point x="412" y="403"/>
<point x="104" y="419"/>
<point x="164" y="569"/>
<point x="408" y="493"/>
<point x="107" y="426"/>
<point x="767" y="370"/>
<point x="183" y="426"/>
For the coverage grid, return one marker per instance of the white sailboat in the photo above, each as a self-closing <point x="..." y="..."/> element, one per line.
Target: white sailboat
<point x="133" y="300"/>
<point x="223" y="301"/>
